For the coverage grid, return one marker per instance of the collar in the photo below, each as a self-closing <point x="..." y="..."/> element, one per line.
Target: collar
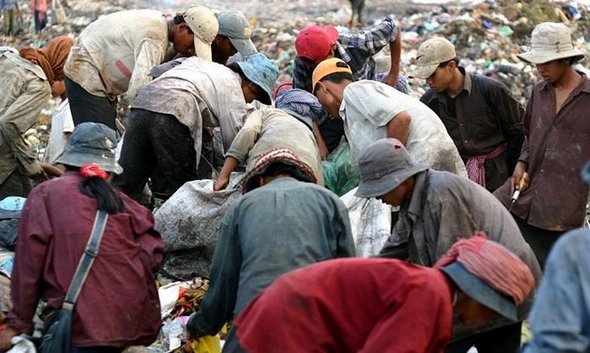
<point x="584" y="85"/>
<point x="415" y="206"/>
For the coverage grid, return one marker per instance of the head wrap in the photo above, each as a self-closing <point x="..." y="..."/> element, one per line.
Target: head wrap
<point x="300" y="102"/>
<point x="51" y="58"/>
<point x="493" y="264"/>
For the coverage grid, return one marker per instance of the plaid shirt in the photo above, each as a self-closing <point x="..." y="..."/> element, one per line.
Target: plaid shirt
<point x="356" y="49"/>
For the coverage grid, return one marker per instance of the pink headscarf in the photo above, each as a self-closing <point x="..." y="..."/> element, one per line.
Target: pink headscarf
<point x="493" y="264"/>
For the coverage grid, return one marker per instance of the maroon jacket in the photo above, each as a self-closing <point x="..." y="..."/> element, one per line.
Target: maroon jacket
<point x="351" y="305"/>
<point x="118" y="304"/>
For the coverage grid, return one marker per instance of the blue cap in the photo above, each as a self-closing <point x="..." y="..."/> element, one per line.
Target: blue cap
<point x="262" y="71"/>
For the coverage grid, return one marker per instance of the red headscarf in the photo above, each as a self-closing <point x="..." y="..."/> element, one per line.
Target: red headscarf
<point x="51" y="58"/>
<point x="493" y="264"/>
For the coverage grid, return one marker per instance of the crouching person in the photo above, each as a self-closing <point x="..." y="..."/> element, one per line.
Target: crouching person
<point x="384" y="305"/>
<point x="118" y="303"/>
<point x="282" y="223"/>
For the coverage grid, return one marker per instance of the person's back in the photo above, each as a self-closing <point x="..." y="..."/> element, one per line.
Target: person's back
<point x="109" y="46"/>
<point x="365" y="121"/>
<point x="275" y="128"/>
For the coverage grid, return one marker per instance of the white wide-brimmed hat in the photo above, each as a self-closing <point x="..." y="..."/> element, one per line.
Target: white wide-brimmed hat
<point x="551" y="41"/>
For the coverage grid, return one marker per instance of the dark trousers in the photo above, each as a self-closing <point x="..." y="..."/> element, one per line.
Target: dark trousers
<point x="40" y="20"/>
<point x="95" y="350"/>
<point x="157" y="147"/>
<point x="87" y="107"/>
<point x="540" y="240"/>
<point x="501" y="340"/>
<point x="17" y="184"/>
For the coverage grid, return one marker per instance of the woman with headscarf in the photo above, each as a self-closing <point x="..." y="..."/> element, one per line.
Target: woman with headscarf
<point x="289" y="125"/>
<point x="118" y="304"/>
<point x="28" y="80"/>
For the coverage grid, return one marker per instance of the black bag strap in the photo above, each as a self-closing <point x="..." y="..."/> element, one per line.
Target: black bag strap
<point x="87" y="260"/>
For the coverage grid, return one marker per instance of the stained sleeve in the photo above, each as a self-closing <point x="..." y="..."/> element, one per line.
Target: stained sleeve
<point x="560" y="317"/>
<point x="246" y="137"/>
<point x="524" y="151"/>
<point x="219" y="303"/>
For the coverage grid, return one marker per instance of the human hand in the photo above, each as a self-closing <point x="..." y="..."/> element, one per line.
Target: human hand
<point x="324" y="153"/>
<point x="391" y="79"/>
<point x="52" y="170"/>
<point x="221" y="183"/>
<point x="58" y="88"/>
<point x="520" y="178"/>
<point x="5" y="337"/>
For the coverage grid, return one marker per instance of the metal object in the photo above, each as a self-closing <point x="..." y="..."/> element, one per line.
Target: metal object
<point x="517" y="192"/>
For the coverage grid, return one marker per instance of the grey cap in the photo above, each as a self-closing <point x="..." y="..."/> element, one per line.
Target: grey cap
<point x="480" y="291"/>
<point x="236" y="27"/>
<point x="92" y="143"/>
<point x="383" y="166"/>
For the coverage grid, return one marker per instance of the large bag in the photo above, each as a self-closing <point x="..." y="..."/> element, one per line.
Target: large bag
<point x="340" y="171"/>
<point x="58" y="329"/>
<point x="189" y="223"/>
<point x="58" y="326"/>
<point x="370" y="221"/>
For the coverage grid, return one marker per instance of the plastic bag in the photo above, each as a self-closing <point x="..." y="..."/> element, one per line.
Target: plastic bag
<point x="207" y="344"/>
<point x="340" y="170"/>
<point x="370" y="221"/>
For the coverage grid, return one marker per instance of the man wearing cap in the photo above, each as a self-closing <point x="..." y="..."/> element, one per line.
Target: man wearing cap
<point x="561" y="313"/>
<point x="436" y="208"/>
<point x="164" y="134"/>
<point x="233" y="37"/>
<point x="482" y="118"/>
<point x="556" y="145"/>
<point x="283" y="222"/>
<point x="316" y="43"/>
<point x="289" y="125"/>
<point x="383" y="305"/>
<point x="388" y="113"/>
<point x="115" y="53"/>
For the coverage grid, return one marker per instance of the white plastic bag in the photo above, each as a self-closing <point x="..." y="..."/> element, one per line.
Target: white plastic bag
<point x="370" y="220"/>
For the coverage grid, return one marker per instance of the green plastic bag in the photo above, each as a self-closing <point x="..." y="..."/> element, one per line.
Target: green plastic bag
<point x="340" y="170"/>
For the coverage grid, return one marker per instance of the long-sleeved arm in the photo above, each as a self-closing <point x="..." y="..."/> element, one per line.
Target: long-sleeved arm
<point x="30" y="258"/>
<point x="246" y="137"/>
<point x="218" y="305"/>
<point x="301" y="75"/>
<point x="372" y="40"/>
<point x="524" y="150"/>
<point x="560" y="316"/>
<point x="511" y="116"/>
<point x="21" y="115"/>
<point x="150" y="55"/>
<point x="146" y="235"/>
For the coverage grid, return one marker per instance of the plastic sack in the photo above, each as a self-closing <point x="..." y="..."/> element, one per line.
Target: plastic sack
<point x="189" y="223"/>
<point x="370" y="221"/>
<point x="340" y="170"/>
<point x="207" y="344"/>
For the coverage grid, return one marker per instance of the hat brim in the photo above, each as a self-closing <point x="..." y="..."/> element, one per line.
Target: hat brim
<point x="424" y="72"/>
<point x="384" y="184"/>
<point x="480" y="291"/>
<point x="202" y="49"/>
<point x="79" y="159"/>
<point x="535" y="57"/>
<point x="243" y="46"/>
<point x="248" y="70"/>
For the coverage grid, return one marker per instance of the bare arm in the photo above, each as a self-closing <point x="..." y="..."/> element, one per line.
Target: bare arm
<point x="399" y="127"/>
<point x="320" y="141"/>
<point x="395" y="47"/>
<point x="229" y="166"/>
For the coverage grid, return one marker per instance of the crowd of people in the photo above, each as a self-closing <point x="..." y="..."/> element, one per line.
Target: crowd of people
<point x="483" y="189"/>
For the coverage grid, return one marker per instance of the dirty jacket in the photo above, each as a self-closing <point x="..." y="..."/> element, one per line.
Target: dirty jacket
<point x="556" y="147"/>
<point x="560" y="318"/>
<point x="272" y="128"/>
<point x="271" y="230"/>
<point x="444" y="208"/>
<point x="25" y="90"/>
<point x="199" y="93"/>
<point x="118" y="304"/>
<point x="115" y="53"/>
<point x="486" y="116"/>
